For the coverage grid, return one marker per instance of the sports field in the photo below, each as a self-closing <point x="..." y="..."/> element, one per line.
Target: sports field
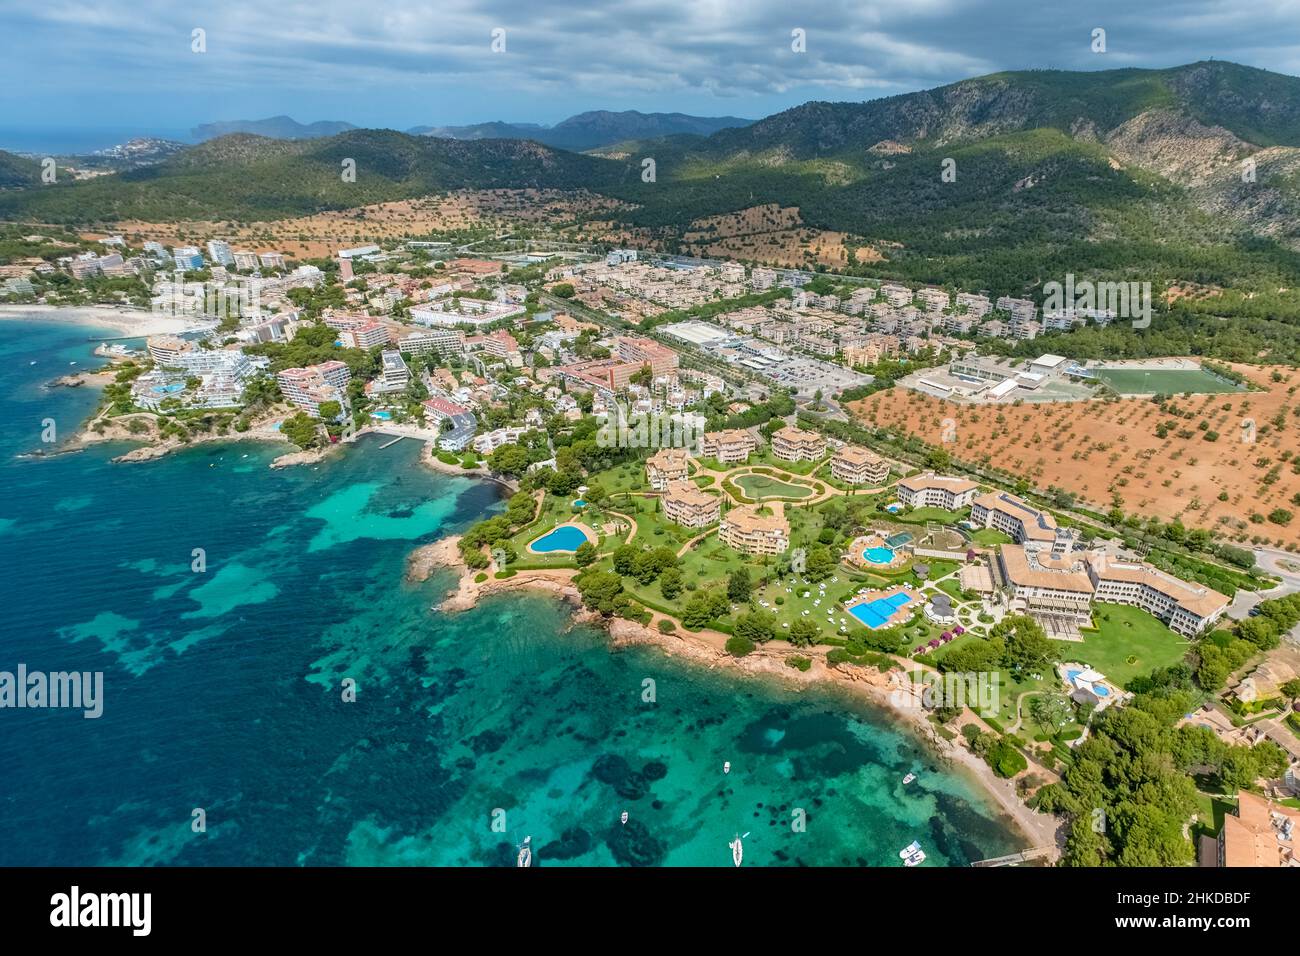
<point x="1172" y="381"/>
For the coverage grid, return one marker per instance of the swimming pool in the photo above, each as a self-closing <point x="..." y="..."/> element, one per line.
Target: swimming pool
<point x="382" y="416"/>
<point x="879" y="555"/>
<point x="1098" y="689"/>
<point x="894" y="509"/>
<point x="168" y="389"/>
<point x="876" y="613"/>
<point x="579" y="503"/>
<point x="566" y="537"/>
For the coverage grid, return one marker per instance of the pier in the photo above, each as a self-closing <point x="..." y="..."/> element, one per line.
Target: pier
<point x="1024" y="856"/>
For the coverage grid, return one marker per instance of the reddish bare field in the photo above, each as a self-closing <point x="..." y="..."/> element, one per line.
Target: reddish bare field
<point x="1108" y="452"/>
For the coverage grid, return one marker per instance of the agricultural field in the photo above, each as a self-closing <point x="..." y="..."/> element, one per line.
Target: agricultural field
<point x="1225" y="462"/>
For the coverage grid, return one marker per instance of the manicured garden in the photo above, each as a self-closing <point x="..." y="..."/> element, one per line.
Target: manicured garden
<point x="1128" y="643"/>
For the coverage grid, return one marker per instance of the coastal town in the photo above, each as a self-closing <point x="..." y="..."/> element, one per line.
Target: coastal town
<point x="692" y="453"/>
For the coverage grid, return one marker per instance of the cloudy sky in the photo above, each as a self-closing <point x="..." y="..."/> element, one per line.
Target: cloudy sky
<point x="400" y="63"/>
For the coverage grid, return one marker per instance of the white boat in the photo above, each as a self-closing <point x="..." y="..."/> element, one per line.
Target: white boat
<point x="525" y="857"/>
<point x="911" y="848"/>
<point x="623" y="818"/>
<point x="737" y="849"/>
<point x="916" y="859"/>
<point x="909" y="778"/>
<point x="726" y="766"/>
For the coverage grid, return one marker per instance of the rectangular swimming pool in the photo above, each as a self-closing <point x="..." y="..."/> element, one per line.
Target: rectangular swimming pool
<point x="876" y="613"/>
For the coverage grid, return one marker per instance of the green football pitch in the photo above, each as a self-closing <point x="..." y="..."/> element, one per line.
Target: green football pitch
<point x="1136" y="381"/>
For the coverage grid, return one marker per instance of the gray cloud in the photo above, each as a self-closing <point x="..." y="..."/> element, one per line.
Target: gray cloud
<point x="381" y="62"/>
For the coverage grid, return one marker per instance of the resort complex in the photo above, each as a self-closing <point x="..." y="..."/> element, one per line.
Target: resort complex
<point x="689" y="506"/>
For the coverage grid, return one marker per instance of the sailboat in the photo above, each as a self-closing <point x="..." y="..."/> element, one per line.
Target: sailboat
<point x="525" y="857"/>
<point x="737" y="849"/>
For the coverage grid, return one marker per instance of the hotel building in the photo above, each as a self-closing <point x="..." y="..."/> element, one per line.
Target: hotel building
<point x="1186" y="607"/>
<point x="1260" y="833"/>
<point x="1065" y="585"/>
<point x="857" y="466"/>
<point x="745" y="529"/>
<point x="1046" y="586"/>
<point x="666" y="466"/>
<point x="729" y="446"/>
<point x="936" y="491"/>
<point x="1013" y="516"/>
<point x="795" y="444"/>
<point x="689" y="506"/>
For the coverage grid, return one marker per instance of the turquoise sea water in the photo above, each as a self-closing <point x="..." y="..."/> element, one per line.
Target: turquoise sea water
<point x="224" y="688"/>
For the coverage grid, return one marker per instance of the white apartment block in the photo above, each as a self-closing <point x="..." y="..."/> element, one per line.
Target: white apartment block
<point x="936" y="491"/>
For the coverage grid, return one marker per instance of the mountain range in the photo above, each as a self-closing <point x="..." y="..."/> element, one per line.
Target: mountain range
<point x="593" y="129"/>
<point x="274" y="127"/>
<point x="1189" y="174"/>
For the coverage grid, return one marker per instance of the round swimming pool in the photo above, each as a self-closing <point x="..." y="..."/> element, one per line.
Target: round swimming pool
<point x="579" y="503"/>
<point x="879" y="555"/>
<point x="566" y="537"/>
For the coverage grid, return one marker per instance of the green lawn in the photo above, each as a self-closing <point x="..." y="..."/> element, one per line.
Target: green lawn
<point x="1128" y="642"/>
<point x="989" y="537"/>
<point x="1130" y="381"/>
<point x="764" y="456"/>
<point x="764" y="486"/>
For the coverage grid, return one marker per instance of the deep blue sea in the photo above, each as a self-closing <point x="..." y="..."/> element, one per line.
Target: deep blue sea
<point x="223" y="689"/>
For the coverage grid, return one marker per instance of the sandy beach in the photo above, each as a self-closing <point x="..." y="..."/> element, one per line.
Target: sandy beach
<point x="124" y="321"/>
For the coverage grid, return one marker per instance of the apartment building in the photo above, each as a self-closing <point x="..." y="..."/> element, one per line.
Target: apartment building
<point x="365" y="336"/>
<point x="394" y="375"/>
<point x="689" y="506"/>
<point x="1013" y="516"/>
<point x="666" y="466"/>
<point x="975" y="305"/>
<point x="745" y="528"/>
<point x="245" y="260"/>
<point x="310" y="387"/>
<point x="219" y="252"/>
<point x="934" y="300"/>
<point x="187" y="257"/>
<point x="642" y="351"/>
<point x="488" y="442"/>
<point x="896" y="295"/>
<point x="858" y="466"/>
<point x="445" y="342"/>
<point x="270" y="260"/>
<point x="795" y="444"/>
<point x="936" y="491"/>
<point x="729" y="446"/>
